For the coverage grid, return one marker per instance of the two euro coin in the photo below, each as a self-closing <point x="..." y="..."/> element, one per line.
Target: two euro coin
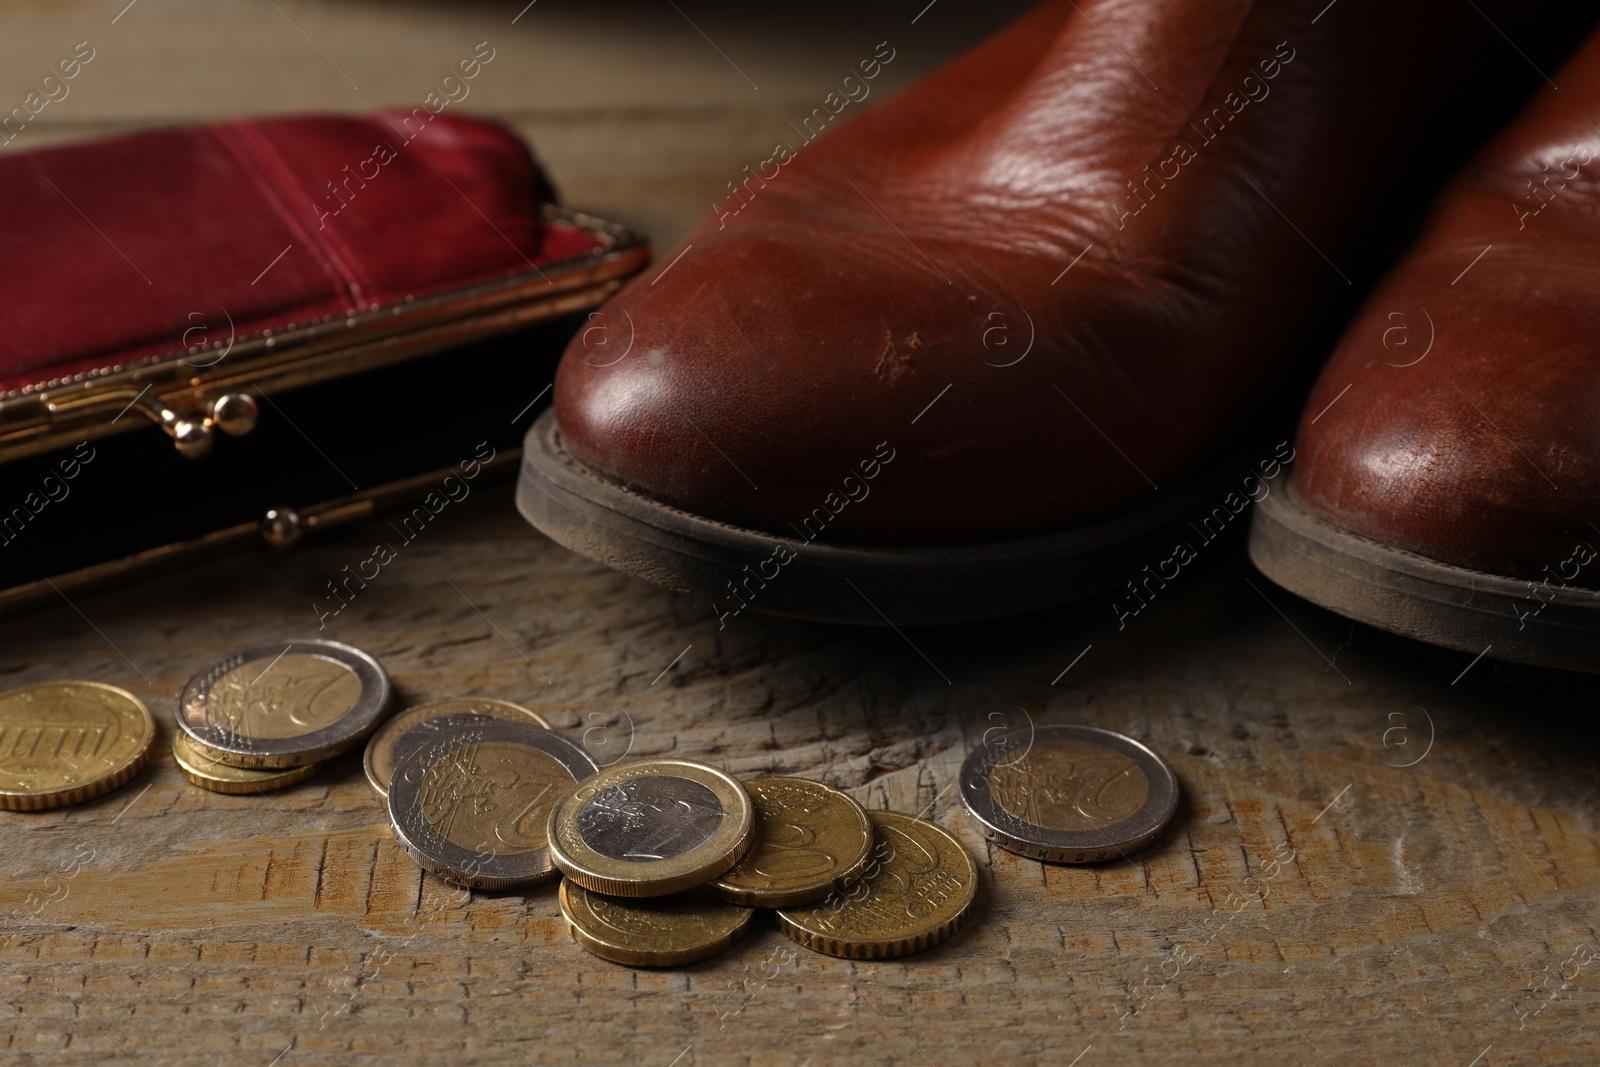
<point x="1068" y="794"/>
<point x="470" y="800"/>
<point x="283" y="705"/>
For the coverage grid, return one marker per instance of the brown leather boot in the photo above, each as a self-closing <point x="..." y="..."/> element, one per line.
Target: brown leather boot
<point x="1448" y="481"/>
<point x="975" y="352"/>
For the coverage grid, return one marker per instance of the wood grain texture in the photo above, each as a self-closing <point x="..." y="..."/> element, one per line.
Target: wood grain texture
<point x="1315" y="903"/>
<point x="1311" y="896"/>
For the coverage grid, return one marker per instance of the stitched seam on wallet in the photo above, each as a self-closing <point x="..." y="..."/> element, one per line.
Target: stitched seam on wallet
<point x="263" y="157"/>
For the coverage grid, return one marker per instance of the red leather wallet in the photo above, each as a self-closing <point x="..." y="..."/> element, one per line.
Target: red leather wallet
<point x="206" y="278"/>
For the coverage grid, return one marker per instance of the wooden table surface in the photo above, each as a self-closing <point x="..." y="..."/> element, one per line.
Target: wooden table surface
<point x="1385" y="853"/>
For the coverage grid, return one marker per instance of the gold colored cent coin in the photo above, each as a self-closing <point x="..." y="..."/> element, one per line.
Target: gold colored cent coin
<point x="651" y="828"/>
<point x="379" y="757"/>
<point x="67" y="742"/>
<point x="220" y="778"/>
<point x="810" y="840"/>
<point x="657" y="932"/>
<point x="915" y="892"/>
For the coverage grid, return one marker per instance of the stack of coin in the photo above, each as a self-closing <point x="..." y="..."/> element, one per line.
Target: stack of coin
<point x="263" y="718"/>
<point x="1068" y="794"/>
<point x="668" y="861"/>
<point x="218" y="777"/>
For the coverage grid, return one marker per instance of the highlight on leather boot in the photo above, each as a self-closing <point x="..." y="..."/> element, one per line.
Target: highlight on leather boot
<point x="1448" y="480"/>
<point x="981" y="348"/>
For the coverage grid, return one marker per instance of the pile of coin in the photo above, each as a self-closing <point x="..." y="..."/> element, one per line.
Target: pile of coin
<point x="251" y="721"/>
<point x="265" y="717"/>
<point x="666" y="861"/>
<point x="671" y="861"/>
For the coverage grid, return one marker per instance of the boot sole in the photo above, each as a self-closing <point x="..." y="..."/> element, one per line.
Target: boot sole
<point x="864" y="585"/>
<point x="1414" y="596"/>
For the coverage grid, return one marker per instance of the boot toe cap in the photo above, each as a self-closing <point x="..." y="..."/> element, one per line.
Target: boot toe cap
<point x="1462" y="421"/>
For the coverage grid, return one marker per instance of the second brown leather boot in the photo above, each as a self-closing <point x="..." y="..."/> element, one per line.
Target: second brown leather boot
<point x="977" y="351"/>
<point x="1448" y="481"/>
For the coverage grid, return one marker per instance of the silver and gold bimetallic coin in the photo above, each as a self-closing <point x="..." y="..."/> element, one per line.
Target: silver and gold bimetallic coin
<point x="379" y="758"/>
<point x="1068" y="794"/>
<point x="651" y="828"/>
<point x="472" y="803"/>
<point x="67" y="742"/>
<point x="207" y="773"/>
<point x="655" y="931"/>
<point x="284" y="704"/>
<point x="916" y="891"/>
<point x="810" y="840"/>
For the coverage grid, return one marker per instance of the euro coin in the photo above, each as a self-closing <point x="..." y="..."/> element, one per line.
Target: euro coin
<point x="472" y="805"/>
<point x="655" y="932"/>
<point x="283" y="705"/>
<point x="67" y="742"/>
<point x="207" y="773"/>
<point x="1068" y="794"/>
<point x="810" y="840"/>
<point x="915" y="892"/>
<point x="379" y="758"/>
<point x="651" y="828"/>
